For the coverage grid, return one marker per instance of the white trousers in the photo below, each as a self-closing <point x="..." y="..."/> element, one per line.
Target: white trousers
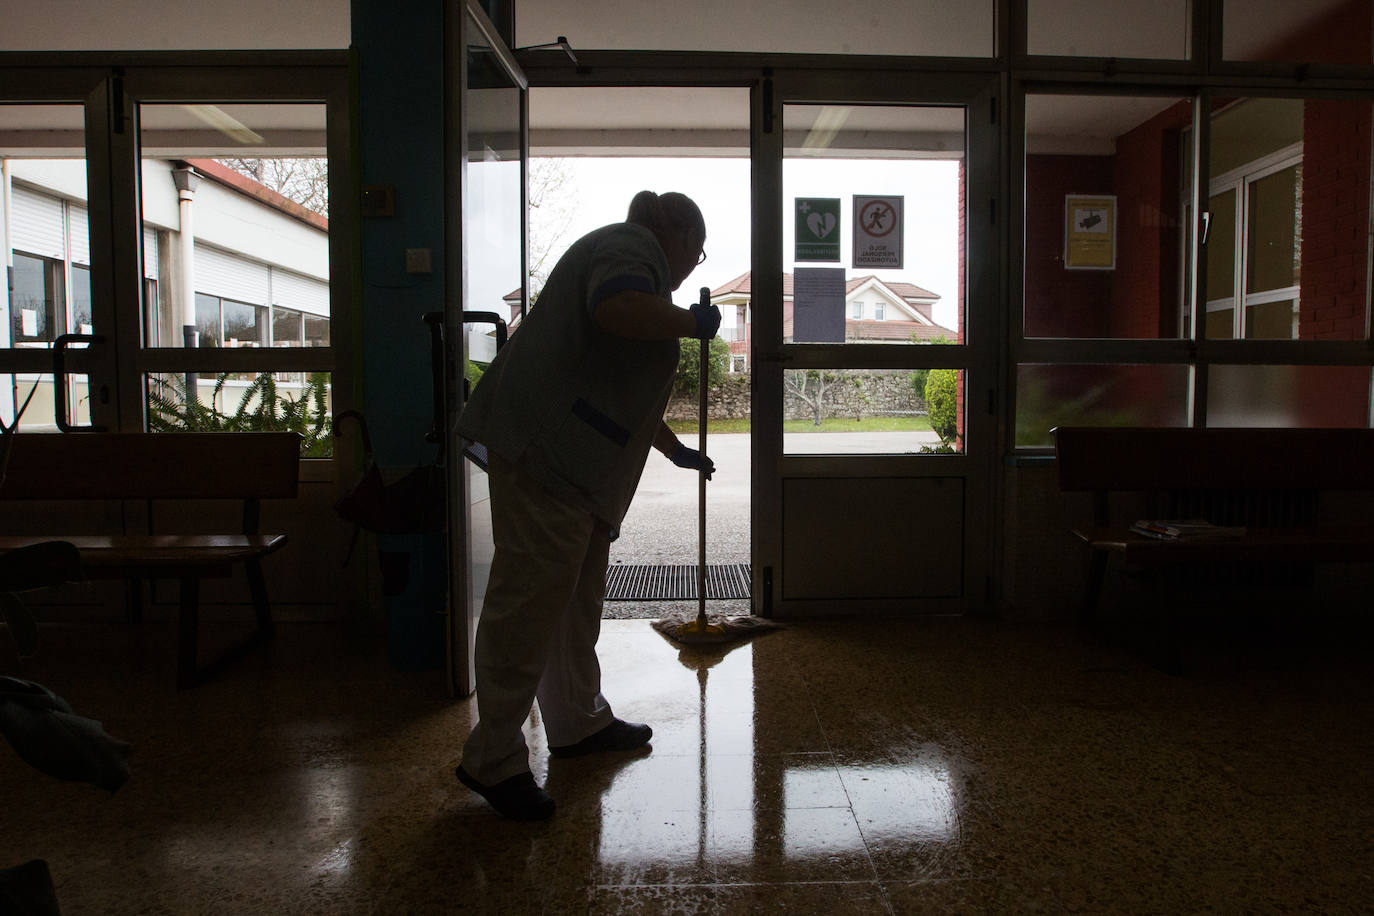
<point x="539" y="625"/>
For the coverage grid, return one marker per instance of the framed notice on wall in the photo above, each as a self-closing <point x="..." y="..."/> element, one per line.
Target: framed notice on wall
<point x="1090" y="232"/>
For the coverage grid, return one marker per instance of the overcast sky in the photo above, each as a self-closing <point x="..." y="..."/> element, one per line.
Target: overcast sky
<point x="600" y="191"/>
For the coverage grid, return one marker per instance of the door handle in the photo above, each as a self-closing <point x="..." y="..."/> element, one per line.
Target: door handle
<point x="61" y="403"/>
<point x="438" y="361"/>
<point x="483" y="318"/>
<point x="489" y="318"/>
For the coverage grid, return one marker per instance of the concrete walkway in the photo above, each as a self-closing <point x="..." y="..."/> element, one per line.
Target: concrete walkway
<point x="661" y="526"/>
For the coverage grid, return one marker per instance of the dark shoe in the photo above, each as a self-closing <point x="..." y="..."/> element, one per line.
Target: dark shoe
<point x="517" y="798"/>
<point x="618" y="736"/>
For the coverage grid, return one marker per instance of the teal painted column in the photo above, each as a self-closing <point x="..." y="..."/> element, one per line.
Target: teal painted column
<point x="400" y="50"/>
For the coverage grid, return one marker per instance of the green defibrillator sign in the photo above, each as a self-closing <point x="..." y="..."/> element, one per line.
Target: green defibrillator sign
<point x="818" y="229"/>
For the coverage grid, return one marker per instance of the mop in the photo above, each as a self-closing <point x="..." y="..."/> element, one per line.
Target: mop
<point x="704" y="630"/>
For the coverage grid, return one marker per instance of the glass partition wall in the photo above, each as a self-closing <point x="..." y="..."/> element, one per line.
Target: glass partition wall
<point x="1197" y="257"/>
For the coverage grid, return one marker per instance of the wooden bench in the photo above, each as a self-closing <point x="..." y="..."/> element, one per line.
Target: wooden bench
<point x="1270" y="481"/>
<point x="93" y="467"/>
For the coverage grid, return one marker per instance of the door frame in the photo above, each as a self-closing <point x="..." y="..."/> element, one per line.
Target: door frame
<point x="980" y="94"/>
<point x="977" y="83"/>
<point x="464" y="23"/>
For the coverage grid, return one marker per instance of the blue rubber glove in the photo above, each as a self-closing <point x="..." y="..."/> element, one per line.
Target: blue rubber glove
<point x="708" y="320"/>
<point x="692" y="460"/>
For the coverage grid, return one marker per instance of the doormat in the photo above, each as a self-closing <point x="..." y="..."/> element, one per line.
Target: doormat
<point x="676" y="583"/>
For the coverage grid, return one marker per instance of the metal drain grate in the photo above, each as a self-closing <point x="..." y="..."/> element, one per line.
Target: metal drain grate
<point x="676" y="583"/>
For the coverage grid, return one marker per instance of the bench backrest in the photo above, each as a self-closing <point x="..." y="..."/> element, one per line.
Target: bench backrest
<point x="152" y="466"/>
<point x="1146" y="459"/>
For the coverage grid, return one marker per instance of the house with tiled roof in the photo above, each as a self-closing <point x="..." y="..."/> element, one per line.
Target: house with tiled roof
<point x="875" y="310"/>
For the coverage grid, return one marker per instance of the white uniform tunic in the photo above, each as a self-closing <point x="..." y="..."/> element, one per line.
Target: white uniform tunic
<point x="570" y="404"/>
<point x="568" y="413"/>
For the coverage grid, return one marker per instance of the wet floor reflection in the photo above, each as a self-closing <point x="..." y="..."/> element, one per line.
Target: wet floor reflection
<point x="736" y="789"/>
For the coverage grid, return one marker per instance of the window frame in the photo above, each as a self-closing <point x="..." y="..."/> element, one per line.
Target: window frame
<point x="1240" y="179"/>
<point x="55" y="284"/>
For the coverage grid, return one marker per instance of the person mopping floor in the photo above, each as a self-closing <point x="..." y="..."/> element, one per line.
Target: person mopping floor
<point x="568" y="411"/>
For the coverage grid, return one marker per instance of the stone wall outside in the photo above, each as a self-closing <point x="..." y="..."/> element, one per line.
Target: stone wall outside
<point x="879" y="392"/>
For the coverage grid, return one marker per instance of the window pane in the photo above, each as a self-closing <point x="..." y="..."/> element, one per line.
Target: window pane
<point x="81" y="300"/>
<point x="492" y="203"/>
<point x="834" y="157"/>
<point x="1271" y="320"/>
<point x="244" y="325"/>
<point x="49" y="250"/>
<point x="43" y="147"/>
<point x="1122" y="163"/>
<point x="241" y="402"/>
<point x="207" y="322"/>
<point x="37" y="391"/>
<point x="921" y="27"/>
<point x="251" y="182"/>
<point x="1049" y="396"/>
<point x="316" y="331"/>
<point x="1089" y="28"/>
<point x="1246" y="130"/>
<point x="1273" y="256"/>
<point x="1221" y="323"/>
<point x="1288" y="396"/>
<point x="872" y="411"/>
<point x="1314" y="31"/>
<point x="1221" y="247"/>
<point x="36" y="299"/>
<point x="286" y="328"/>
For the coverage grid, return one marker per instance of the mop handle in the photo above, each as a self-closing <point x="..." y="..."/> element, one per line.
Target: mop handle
<point x="704" y="347"/>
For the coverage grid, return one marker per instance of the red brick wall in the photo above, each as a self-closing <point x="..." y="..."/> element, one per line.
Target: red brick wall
<point x="1059" y="302"/>
<point x="1335" y="219"/>
<point x="1146" y="175"/>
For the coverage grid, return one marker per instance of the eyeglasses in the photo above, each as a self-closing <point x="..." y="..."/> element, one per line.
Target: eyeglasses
<point x="701" y="259"/>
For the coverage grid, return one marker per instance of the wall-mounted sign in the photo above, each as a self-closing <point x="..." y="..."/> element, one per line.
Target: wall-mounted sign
<point x="818" y="229"/>
<point x="877" y="232"/>
<point x="1090" y="232"/>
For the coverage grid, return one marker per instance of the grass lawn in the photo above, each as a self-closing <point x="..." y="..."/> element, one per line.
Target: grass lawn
<point x="829" y="425"/>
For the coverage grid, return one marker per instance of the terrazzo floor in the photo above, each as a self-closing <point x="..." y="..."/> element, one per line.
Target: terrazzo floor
<point x="865" y="766"/>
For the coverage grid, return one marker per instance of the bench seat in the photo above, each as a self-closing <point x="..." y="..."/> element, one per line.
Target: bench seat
<point x="119" y="556"/>
<point x="1271" y="482"/>
<point x="94" y="468"/>
<point x="1333" y="543"/>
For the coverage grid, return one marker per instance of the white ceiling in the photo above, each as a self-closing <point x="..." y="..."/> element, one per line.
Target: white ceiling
<point x="662" y="121"/>
<point x="948" y="28"/>
<point x="955" y="28"/>
<point x="693" y="121"/>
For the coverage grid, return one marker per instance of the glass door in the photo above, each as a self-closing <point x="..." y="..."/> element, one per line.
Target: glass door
<point x="874" y="434"/>
<point x="486" y="270"/>
<point x="56" y="362"/>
